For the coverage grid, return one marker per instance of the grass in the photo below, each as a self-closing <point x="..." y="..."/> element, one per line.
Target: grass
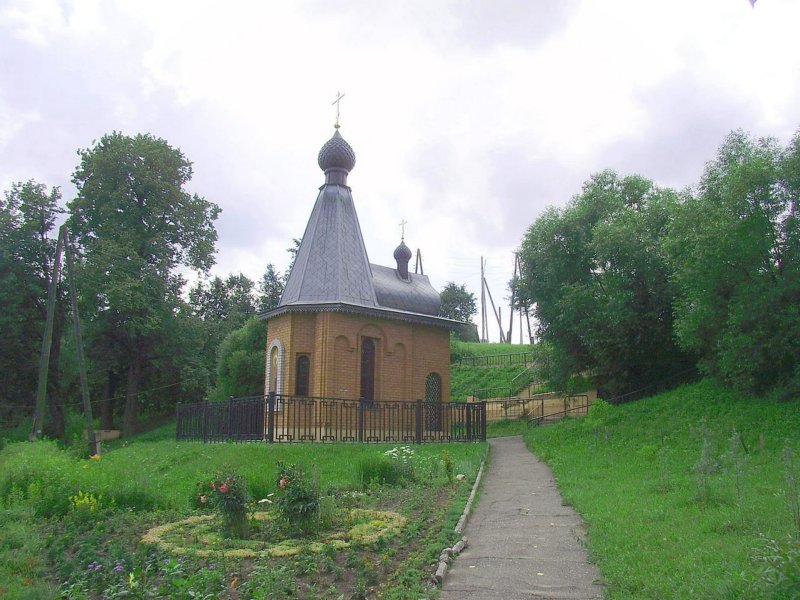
<point x="465" y="380"/>
<point x="459" y="348"/>
<point x="51" y="543"/>
<point x="675" y="510"/>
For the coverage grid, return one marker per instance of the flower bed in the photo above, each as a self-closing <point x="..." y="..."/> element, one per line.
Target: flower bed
<point x="199" y="535"/>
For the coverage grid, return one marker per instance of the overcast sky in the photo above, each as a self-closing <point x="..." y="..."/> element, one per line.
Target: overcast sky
<point x="467" y="118"/>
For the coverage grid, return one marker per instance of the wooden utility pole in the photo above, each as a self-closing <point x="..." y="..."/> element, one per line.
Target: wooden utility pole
<point x="62" y="244"/>
<point x="496" y="313"/>
<point x="484" y="331"/>
<point x="47" y="341"/>
<point x="511" y="305"/>
<point x="76" y="322"/>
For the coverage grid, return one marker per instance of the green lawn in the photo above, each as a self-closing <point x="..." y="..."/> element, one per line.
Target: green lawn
<point x="50" y="545"/>
<point x="668" y="519"/>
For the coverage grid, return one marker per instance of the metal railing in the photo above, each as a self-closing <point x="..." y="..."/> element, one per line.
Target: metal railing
<point x="280" y="418"/>
<point x="510" y="391"/>
<point x="496" y="360"/>
<point x="577" y="404"/>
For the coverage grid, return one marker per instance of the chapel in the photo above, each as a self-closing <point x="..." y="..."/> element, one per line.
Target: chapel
<point x="347" y="328"/>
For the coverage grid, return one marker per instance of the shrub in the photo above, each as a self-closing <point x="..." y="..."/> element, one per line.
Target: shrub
<point x="394" y="467"/>
<point x="229" y="497"/>
<point x="298" y="498"/>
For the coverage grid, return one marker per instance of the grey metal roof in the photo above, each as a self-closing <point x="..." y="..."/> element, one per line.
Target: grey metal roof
<point x="381" y="312"/>
<point x="331" y="263"/>
<point x="332" y="270"/>
<point x="415" y="294"/>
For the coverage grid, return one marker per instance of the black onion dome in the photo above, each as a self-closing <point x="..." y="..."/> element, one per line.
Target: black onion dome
<point x="402" y="253"/>
<point x="336" y="154"/>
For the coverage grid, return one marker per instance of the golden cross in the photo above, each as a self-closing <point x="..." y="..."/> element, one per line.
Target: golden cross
<point x="403" y="230"/>
<point x="339" y="96"/>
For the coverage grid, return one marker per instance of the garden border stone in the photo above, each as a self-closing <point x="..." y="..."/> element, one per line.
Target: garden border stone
<point x="449" y="553"/>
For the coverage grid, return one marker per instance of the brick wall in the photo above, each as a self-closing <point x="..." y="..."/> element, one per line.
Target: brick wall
<point x="406" y="354"/>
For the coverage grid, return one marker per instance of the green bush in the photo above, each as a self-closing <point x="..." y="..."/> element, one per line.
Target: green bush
<point x="382" y="470"/>
<point x="298" y="497"/>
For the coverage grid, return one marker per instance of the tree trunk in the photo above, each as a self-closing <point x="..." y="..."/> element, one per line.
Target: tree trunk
<point x="130" y="420"/>
<point x="106" y="404"/>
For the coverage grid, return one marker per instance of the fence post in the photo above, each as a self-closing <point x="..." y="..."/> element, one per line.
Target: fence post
<point x="230" y="418"/>
<point x="205" y="421"/>
<point x="419" y="422"/>
<point x="469" y="421"/>
<point x="271" y="417"/>
<point x="483" y="421"/>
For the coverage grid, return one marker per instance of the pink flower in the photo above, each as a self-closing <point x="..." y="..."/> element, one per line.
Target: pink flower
<point x="283" y="483"/>
<point x="223" y="487"/>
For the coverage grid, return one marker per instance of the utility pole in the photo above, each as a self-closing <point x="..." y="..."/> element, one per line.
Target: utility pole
<point x="483" y="303"/>
<point x="47" y="341"/>
<point x="62" y="244"/>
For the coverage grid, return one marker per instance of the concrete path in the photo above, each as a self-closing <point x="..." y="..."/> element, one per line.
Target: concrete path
<point x="523" y="543"/>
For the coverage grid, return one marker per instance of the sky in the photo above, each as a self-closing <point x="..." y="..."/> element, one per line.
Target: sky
<point x="467" y="118"/>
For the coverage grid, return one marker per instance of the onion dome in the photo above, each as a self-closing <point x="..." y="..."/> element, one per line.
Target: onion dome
<point x="336" y="159"/>
<point x="402" y="254"/>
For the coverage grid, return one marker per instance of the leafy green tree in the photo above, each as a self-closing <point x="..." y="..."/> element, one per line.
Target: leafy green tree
<point x="221" y="305"/>
<point x="599" y="283"/>
<point x="735" y="247"/>
<point x="270" y="289"/>
<point x="136" y="226"/>
<point x="457" y="303"/>
<point x="28" y="213"/>
<point x="241" y="364"/>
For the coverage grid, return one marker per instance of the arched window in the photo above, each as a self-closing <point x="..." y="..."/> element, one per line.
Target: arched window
<point x="273" y="370"/>
<point x="302" y="375"/>
<point x="433" y="388"/>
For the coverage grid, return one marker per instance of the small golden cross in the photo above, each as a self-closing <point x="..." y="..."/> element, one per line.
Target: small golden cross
<point x="339" y="96"/>
<point x="403" y="230"/>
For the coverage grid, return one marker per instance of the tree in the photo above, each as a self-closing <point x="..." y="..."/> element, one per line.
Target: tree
<point x="735" y="247"/>
<point x="457" y="303"/>
<point x="27" y="218"/>
<point x="241" y="364"/>
<point x="599" y="283"/>
<point x="270" y="289"/>
<point x="221" y="306"/>
<point x="136" y="225"/>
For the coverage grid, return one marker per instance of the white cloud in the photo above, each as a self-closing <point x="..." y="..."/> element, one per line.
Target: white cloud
<point x="467" y="118"/>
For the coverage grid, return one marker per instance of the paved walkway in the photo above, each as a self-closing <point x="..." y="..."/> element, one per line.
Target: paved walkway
<point x="523" y="543"/>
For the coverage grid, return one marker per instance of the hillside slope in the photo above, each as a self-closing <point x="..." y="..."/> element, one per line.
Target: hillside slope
<point x="687" y="494"/>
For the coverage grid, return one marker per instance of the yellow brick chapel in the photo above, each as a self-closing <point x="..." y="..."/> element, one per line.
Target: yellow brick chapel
<point x="349" y="329"/>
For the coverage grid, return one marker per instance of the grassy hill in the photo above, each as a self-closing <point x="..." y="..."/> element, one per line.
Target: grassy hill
<point x="465" y="379"/>
<point x="691" y="494"/>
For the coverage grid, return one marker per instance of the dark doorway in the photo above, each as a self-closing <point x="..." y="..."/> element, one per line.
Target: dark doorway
<point x="303" y="373"/>
<point x="368" y="365"/>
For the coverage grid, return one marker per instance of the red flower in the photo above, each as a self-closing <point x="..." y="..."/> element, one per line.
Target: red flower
<point x="223" y="487"/>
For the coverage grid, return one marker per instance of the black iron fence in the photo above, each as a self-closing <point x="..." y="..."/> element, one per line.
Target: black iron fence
<point x="496" y="360"/>
<point x="279" y="418"/>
